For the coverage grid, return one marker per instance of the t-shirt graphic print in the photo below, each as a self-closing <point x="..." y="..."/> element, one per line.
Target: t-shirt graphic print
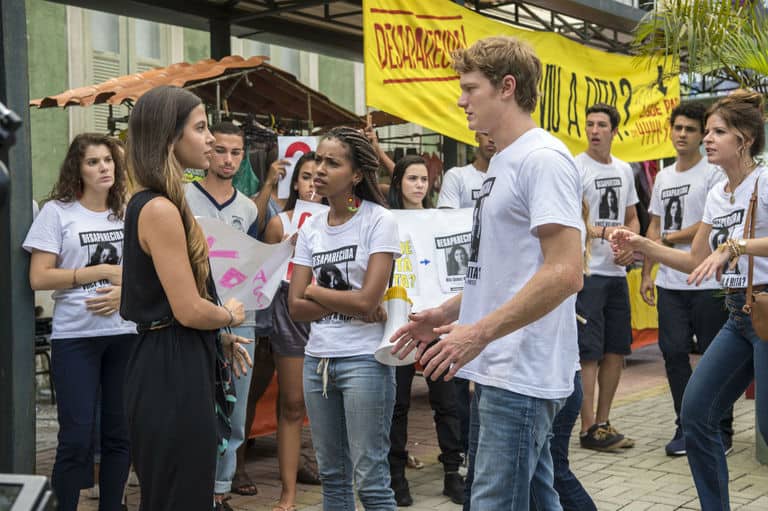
<point x="674" y="203"/>
<point x="331" y="270"/>
<point x="610" y="192"/>
<point x="103" y="247"/>
<point x="473" y="270"/>
<point x="723" y="228"/>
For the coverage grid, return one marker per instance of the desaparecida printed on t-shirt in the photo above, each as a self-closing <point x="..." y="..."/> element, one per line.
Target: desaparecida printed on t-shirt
<point x="331" y="272"/>
<point x="473" y="272"/>
<point x="674" y="204"/>
<point x="103" y="248"/>
<point x="608" y="209"/>
<point x="722" y="227"/>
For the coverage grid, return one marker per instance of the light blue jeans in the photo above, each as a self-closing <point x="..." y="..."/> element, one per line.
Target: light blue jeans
<point x="227" y="463"/>
<point x="510" y="456"/>
<point x="350" y="421"/>
<point x="735" y="357"/>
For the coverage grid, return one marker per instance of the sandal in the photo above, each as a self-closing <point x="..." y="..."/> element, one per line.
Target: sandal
<point x="278" y="507"/>
<point x="414" y="462"/>
<point x="242" y="485"/>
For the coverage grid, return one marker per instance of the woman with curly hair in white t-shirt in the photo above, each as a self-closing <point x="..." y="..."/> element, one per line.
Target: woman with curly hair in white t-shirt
<point x="77" y="243"/>
<point x="349" y="395"/>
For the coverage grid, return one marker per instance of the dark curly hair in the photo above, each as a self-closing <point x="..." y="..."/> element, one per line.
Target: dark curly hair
<point x="363" y="157"/>
<point x="69" y="186"/>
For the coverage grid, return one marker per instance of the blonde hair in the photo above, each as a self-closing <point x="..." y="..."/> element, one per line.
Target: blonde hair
<point x="156" y="124"/>
<point x="499" y="56"/>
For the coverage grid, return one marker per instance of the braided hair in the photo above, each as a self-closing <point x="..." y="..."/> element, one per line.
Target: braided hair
<point x="363" y="157"/>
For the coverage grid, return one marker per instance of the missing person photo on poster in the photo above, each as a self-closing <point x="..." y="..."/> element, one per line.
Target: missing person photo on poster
<point x="452" y="256"/>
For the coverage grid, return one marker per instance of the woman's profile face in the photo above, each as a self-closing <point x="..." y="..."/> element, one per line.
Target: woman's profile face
<point x="674" y="207"/>
<point x="611" y="196"/>
<point x="193" y="149"/>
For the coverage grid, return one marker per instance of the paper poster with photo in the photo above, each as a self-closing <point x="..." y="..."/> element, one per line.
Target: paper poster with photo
<point x="242" y="267"/>
<point x="291" y="149"/>
<point x="452" y="256"/>
<point x="419" y="230"/>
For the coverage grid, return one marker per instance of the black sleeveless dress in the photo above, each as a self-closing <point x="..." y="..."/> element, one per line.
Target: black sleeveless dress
<point x="169" y="388"/>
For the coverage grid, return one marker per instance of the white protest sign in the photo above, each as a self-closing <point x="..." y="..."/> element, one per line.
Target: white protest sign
<point x="431" y="241"/>
<point x="242" y="267"/>
<point x="291" y="149"/>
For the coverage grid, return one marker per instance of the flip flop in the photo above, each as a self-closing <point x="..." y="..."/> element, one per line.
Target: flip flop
<point x="278" y="507"/>
<point x="242" y="485"/>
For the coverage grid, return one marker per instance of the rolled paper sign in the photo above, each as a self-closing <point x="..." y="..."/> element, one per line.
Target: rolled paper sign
<point x="398" y="306"/>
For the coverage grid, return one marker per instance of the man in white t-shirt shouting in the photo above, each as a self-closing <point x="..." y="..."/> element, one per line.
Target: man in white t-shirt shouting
<point x="461" y="185"/>
<point x="677" y="206"/>
<point x="516" y="331"/>
<point x="605" y="338"/>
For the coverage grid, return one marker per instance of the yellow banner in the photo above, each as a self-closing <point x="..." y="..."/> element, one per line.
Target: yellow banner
<point x="408" y="74"/>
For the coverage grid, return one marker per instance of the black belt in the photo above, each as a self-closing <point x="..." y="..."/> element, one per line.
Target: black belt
<point x="742" y="290"/>
<point x="156" y="324"/>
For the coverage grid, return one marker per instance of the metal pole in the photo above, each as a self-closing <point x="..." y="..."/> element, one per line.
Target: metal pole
<point x="17" y="352"/>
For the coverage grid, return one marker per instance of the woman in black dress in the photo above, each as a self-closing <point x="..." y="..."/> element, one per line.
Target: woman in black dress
<point x="167" y="291"/>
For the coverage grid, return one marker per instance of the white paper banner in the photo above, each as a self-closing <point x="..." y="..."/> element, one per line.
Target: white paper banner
<point x="242" y="267"/>
<point x="305" y="210"/>
<point x="291" y="149"/>
<point x="435" y="247"/>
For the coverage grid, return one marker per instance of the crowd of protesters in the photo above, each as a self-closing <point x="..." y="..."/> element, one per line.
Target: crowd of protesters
<point x="145" y="352"/>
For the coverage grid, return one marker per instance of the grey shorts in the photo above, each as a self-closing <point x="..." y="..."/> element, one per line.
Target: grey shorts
<point x="289" y="337"/>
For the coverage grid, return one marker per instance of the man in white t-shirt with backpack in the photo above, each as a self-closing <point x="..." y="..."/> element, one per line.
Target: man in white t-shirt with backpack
<point x="677" y="207"/>
<point x="605" y="337"/>
<point x="516" y="331"/>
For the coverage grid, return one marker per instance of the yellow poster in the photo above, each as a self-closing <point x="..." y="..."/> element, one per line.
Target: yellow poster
<point x="408" y="73"/>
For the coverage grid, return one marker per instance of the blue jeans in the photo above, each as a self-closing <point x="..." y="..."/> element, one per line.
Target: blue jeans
<point x="226" y="464"/>
<point x="735" y="357"/>
<point x="573" y="496"/>
<point x="84" y="370"/>
<point x="350" y="429"/>
<point x="510" y="461"/>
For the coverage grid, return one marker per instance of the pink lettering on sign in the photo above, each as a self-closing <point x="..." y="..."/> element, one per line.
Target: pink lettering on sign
<point x="232" y="277"/>
<point x="220" y="254"/>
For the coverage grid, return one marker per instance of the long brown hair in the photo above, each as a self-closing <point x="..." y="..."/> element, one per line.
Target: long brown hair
<point x="156" y="124"/>
<point x="69" y="186"/>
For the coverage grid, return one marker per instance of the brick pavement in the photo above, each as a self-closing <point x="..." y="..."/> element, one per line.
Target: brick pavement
<point x="637" y="479"/>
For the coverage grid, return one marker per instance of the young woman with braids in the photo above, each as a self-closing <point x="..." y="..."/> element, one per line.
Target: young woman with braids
<point x="91" y="343"/>
<point x="168" y="293"/>
<point x="348" y="394"/>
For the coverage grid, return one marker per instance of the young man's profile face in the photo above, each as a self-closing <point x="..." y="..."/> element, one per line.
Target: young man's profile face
<point x="479" y="99"/>
<point x="686" y="134"/>
<point x="599" y="132"/>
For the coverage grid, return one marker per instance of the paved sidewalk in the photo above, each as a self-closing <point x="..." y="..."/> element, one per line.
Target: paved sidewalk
<point x="642" y="478"/>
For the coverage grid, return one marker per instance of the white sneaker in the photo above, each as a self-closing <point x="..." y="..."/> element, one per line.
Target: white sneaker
<point x="133" y="479"/>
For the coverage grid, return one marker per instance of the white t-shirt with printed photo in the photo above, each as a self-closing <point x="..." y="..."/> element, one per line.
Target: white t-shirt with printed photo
<point x="532" y="182"/>
<point x="338" y="256"/>
<point x="79" y="237"/>
<point x="678" y="200"/>
<point x="608" y="189"/>
<point x="727" y="221"/>
<point x="460" y="187"/>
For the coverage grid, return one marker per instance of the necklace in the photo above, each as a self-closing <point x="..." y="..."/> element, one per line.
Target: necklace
<point x="732" y="199"/>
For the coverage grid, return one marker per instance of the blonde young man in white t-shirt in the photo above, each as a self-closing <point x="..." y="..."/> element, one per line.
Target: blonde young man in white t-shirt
<point x="606" y="337"/>
<point x="461" y="185"/>
<point x="677" y="206"/>
<point x="516" y="331"/>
